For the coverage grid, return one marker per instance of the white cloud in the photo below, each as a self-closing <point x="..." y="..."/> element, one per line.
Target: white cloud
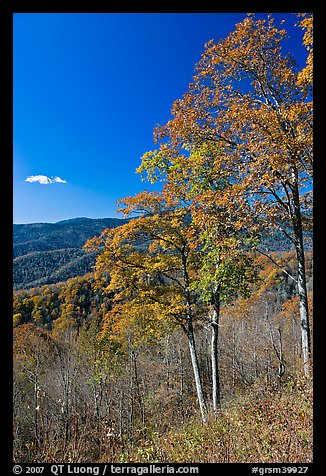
<point x="44" y="180"/>
<point x="58" y="180"/>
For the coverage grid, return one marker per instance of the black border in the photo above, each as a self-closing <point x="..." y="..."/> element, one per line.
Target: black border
<point x="7" y="10"/>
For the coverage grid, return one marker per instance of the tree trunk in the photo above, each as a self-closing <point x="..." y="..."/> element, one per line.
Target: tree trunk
<point x="302" y="284"/>
<point x="131" y="401"/>
<point x="255" y="351"/>
<point x="195" y="366"/>
<point x="214" y="357"/>
<point x="191" y="341"/>
<point x="137" y="388"/>
<point x="233" y="356"/>
<point x="181" y="374"/>
<point x="304" y="314"/>
<point x="167" y="363"/>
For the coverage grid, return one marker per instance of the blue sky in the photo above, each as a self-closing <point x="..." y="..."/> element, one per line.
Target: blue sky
<point x="88" y="92"/>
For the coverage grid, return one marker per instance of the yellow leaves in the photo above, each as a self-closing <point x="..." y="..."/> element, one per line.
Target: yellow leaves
<point x="305" y="76"/>
<point x="92" y="244"/>
<point x="17" y="319"/>
<point x="146" y="262"/>
<point x="227" y="157"/>
<point x="143" y="321"/>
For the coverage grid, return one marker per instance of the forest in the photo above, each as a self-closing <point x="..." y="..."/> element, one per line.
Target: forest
<point x="47" y="253"/>
<point x="191" y="339"/>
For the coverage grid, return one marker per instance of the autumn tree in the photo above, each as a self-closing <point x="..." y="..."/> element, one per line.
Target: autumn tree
<point x="163" y="269"/>
<point x="246" y="106"/>
<point x="153" y="268"/>
<point x="305" y="76"/>
<point x="226" y="272"/>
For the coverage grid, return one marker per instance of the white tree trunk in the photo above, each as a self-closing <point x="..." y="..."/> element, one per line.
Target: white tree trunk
<point x="304" y="316"/>
<point x="195" y="366"/>
<point x="302" y="284"/>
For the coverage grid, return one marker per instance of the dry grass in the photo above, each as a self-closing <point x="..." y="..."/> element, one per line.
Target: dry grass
<point x="267" y="425"/>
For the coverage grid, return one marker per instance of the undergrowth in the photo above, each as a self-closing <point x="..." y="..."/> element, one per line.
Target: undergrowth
<point x="265" y="424"/>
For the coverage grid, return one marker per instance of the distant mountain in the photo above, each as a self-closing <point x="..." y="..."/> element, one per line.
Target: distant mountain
<point x="57" y="236"/>
<point x="46" y="253"/>
<point x="277" y="241"/>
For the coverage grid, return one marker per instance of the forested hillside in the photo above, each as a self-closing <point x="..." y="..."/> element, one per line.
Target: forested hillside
<point x="63" y="234"/>
<point x="46" y="253"/>
<point x="39" y="260"/>
<point x="124" y="392"/>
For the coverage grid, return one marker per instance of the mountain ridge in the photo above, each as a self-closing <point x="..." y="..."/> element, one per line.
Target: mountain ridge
<point x="46" y="253"/>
